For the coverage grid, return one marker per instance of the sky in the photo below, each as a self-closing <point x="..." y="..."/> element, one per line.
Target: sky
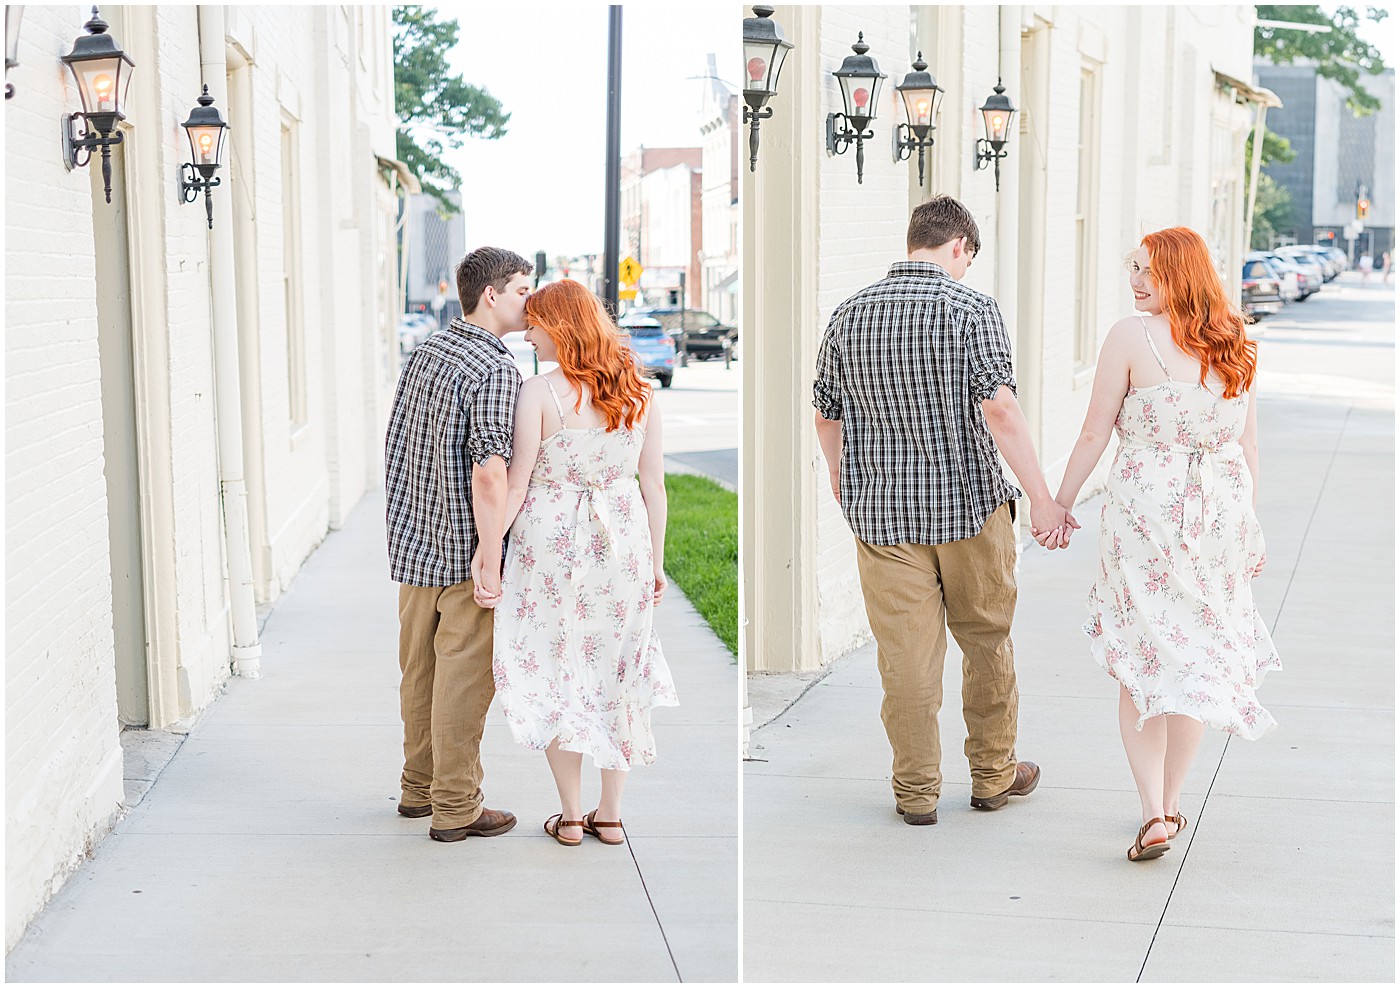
<point x="540" y="187"/>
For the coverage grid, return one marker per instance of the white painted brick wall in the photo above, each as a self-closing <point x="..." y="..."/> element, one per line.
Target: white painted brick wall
<point x="61" y="788"/>
<point x="63" y="759"/>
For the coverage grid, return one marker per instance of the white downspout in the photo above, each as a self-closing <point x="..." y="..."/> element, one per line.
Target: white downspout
<point x="247" y="651"/>
<point x="1257" y="153"/>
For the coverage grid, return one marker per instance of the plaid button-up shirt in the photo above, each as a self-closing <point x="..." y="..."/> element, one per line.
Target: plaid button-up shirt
<point x="455" y="406"/>
<point x="905" y="365"/>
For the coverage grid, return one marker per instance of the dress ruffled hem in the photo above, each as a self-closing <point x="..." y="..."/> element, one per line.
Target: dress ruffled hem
<point x="1247" y="719"/>
<point x="580" y="732"/>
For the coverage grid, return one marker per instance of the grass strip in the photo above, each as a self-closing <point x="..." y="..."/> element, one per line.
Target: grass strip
<point x="702" y="550"/>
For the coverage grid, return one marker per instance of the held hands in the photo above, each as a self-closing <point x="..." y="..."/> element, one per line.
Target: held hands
<point x="1052" y="524"/>
<point x="486" y="578"/>
<point x="659" y="586"/>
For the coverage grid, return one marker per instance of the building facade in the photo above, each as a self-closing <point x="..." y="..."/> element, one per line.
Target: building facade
<point x="660" y="220"/>
<point x="719" y="201"/>
<point x="433" y="245"/>
<point x="1340" y="159"/>
<point x="1128" y="122"/>
<point x="188" y="410"/>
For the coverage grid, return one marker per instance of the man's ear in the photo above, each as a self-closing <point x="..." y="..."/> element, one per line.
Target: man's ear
<point x="488" y="295"/>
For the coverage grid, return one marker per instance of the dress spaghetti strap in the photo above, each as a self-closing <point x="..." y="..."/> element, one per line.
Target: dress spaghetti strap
<point x="555" y="395"/>
<point x="1160" y="362"/>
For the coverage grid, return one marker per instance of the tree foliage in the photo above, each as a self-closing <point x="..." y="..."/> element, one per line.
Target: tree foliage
<point x="1273" y="205"/>
<point x="1340" y="54"/>
<point x="437" y="109"/>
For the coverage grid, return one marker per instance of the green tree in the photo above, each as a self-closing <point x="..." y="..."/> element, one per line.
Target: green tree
<point x="437" y="109"/>
<point x="1340" y="53"/>
<point x="1273" y="204"/>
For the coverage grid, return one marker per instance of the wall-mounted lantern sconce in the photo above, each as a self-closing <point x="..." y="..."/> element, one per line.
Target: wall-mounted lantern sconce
<point x="206" y="130"/>
<point x="764" y="52"/>
<point x="103" y="73"/>
<point x="996" y="119"/>
<point x="922" y="99"/>
<point x="860" y="80"/>
<point x="14" y="13"/>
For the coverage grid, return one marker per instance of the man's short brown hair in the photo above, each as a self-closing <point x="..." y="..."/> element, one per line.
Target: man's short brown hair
<point x="484" y="266"/>
<point x="940" y="220"/>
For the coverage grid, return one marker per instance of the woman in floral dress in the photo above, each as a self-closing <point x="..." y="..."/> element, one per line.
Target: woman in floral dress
<point x="576" y="662"/>
<point x="1172" y="615"/>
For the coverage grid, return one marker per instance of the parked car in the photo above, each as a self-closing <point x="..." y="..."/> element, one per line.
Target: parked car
<point x="414" y="328"/>
<point x="705" y="337"/>
<point x="1259" y="290"/>
<point x="654" y="347"/>
<point x="1308" y="254"/>
<point x="1312" y="264"/>
<point x="1291" y="278"/>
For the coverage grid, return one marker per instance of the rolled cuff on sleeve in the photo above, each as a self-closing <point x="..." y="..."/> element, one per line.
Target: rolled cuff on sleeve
<point x="826" y="398"/>
<point x="988" y="378"/>
<point x="484" y="445"/>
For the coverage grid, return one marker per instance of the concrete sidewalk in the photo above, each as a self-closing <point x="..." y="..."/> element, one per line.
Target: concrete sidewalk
<point x="269" y="849"/>
<point x="1287" y="870"/>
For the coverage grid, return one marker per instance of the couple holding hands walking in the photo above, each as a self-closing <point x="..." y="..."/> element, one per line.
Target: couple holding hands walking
<point x="915" y="399"/>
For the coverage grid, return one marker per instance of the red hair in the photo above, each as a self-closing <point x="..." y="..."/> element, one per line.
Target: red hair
<point x="591" y="352"/>
<point x="1204" y="321"/>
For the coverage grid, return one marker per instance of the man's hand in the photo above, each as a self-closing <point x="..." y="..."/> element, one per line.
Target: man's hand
<point x="486" y="577"/>
<point x="836" y="485"/>
<point x="1051" y="524"/>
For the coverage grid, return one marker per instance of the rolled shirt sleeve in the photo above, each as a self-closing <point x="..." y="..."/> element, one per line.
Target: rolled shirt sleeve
<point x="988" y="353"/>
<point x="826" y="389"/>
<point x="492" y="415"/>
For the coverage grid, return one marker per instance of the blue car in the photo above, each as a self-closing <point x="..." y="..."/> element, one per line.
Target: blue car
<point x="655" y="348"/>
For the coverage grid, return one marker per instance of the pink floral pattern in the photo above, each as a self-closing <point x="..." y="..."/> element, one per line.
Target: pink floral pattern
<point x="575" y="654"/>
<point x="1172" y="615"/>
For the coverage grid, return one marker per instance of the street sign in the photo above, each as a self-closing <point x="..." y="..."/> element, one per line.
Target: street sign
<point x="629" y="271"/>
<point x="627" y="294"/>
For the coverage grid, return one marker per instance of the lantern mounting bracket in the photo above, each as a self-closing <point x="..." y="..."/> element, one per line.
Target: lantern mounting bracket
<point x="80" y="142"/>
<point x="852" y="131"/>
<point x="195" y="179"/>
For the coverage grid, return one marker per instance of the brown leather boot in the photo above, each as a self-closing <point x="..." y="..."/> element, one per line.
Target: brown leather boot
<point x="491" y="823"/>
<point x="1027" y="778"/>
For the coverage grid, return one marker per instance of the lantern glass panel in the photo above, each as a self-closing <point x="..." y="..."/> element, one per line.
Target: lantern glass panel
<point x="921" y="106"/>
<point x="206" y="144"/>
<point x="14" y="13"/>
<point x="997" y="123"/>
<point x="763" y="60"/>
<point x="860" y="95"/>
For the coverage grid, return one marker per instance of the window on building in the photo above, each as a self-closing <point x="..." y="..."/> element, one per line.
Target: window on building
<point x="292" y="286"/>
<point x="1086" y="336"/>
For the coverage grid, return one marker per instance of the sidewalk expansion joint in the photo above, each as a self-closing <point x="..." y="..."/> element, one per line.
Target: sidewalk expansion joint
<point x="652" y="905"/>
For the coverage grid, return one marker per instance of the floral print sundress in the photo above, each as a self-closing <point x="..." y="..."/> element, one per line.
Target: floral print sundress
<point x="575" y="656"/>
<point x="1172" y="615"/>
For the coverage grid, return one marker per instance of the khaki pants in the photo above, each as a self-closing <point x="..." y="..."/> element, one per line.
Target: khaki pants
<point x="910" y="590"/>
<point x="445" y="655"/>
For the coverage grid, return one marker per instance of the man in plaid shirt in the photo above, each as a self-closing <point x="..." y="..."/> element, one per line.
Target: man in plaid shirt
<point x="445" y="459"/>
<point x="915" y="397"/>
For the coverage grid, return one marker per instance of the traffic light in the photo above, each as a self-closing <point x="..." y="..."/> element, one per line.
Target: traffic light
<point x="1363" y="206"/>
<point x="442" y="287"/>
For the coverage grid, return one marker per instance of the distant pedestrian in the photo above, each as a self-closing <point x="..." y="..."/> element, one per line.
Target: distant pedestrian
<point x="1385" y="267"/>
<point x="1365" y="266"/>
<point x="1172" y="613"/>
<point x="915" y="397"/>
<point x="577" y="664"/>
<point x="448" y="445"/>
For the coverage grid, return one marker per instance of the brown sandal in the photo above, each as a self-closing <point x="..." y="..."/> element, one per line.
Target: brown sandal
<point x="1179" y="820"/>
<point x="590" y="826"/>
<point x="1146" y="852"/>
<point x="561" y="822"/>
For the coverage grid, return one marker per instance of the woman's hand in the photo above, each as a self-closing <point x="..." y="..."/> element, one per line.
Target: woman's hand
<point x="1259" y="568"/>
<point x="486" y="583"/>
<point x="658" y="587"/>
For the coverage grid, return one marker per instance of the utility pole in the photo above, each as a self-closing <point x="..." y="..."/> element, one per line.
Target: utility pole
<point x="613" y="172"/>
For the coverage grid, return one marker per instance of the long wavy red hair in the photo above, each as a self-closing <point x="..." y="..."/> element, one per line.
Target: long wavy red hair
<point x="591" y="352"/>
<point x="1204" y="320"/>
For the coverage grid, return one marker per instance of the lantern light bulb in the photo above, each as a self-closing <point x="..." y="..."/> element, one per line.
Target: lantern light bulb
<point x="102" y="86"/>
<point x="757" y="67"/>
<point x="861" y="97"/>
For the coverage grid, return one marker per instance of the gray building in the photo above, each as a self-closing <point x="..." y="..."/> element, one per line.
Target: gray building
<point x="434" y="246"/>
<point x="1341" y="159"/>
